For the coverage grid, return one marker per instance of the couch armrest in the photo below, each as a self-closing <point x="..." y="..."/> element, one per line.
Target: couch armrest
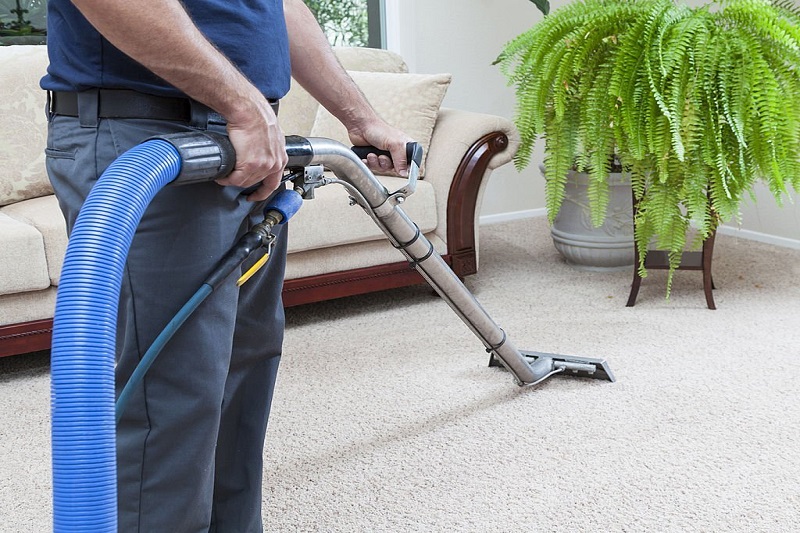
<point x="465" y="148"/>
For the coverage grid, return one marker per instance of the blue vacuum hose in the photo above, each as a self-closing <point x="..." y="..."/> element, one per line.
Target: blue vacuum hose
<point x="84" y="328"/>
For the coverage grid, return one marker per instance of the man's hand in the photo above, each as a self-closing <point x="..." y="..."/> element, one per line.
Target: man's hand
<point x="381" y="135"/>
<point x="260" y="150"/>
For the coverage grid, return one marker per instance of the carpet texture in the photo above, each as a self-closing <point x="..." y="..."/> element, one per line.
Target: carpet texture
<point x="386" y="417"/>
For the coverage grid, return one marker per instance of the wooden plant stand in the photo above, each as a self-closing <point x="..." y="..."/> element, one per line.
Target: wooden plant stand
<point x="659" y="260"/>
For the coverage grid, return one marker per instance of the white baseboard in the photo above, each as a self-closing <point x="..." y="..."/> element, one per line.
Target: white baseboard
<point x="784" y="242"/>
<point x="760" y="237"/>
<point x="499" y="218"/>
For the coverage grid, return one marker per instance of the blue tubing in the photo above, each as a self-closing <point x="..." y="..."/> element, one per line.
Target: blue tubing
<point x="84" y="337"/>
<point x="163" y="338"/>
<point x="286" y="203"/>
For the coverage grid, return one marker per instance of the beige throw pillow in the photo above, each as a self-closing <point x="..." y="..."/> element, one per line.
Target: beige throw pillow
<point x="408" y="101"/>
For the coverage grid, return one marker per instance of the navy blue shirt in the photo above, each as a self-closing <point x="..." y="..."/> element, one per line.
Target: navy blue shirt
<point x="251" y="33"/>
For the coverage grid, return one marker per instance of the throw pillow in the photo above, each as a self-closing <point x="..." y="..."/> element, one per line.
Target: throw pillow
<point x="407" y="101"/>
<point x="23" y="126"/>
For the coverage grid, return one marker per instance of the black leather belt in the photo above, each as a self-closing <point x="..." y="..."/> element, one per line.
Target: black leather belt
<point x="123" y="103"/>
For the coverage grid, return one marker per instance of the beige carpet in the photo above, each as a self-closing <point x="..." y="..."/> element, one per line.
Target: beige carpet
<point x="387" y="418"/>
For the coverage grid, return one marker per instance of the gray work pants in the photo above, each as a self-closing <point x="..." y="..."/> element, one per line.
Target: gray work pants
<point x="190" y="444"/>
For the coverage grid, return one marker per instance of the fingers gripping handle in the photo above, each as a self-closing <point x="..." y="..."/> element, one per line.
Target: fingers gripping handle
<point x="413" y="158"/>
<point x="207" y="155"/>
<point x="413" y="152"/>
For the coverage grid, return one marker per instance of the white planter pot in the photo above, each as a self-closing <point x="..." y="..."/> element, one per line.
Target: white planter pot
<point x="609" y="247"/>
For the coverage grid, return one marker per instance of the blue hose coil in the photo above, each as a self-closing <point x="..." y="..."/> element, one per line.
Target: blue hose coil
<point x="84" y="337"/>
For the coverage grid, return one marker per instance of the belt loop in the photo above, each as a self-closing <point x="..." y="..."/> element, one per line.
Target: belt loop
<point x="48" y="107"/>
<point x="88" y="108"/>
<point x="199" y="115"/>
<point x="216" y="119"/>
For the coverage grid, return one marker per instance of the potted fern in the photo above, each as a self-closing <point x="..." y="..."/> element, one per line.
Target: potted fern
<point x="696" y="104"/>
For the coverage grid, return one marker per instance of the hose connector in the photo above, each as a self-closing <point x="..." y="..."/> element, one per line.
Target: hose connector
<point x="299" y="150"/>
<point x="205" y="155"/>
<point x="284" y="206"/>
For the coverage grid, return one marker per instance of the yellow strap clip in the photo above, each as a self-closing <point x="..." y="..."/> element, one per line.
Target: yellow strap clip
<point x="253" y="269"/>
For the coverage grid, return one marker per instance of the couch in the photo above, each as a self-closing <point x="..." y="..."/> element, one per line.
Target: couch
<point x="335" y="250"/>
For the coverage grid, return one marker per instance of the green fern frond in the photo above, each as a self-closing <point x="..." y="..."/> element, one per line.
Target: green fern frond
<point x="698" y="104"/>
<point x="557" y="163"/>
<point x="660" y="14"/>
<point x="626" y="85"/>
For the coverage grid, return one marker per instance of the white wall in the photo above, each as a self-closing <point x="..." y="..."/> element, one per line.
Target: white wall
<point x="463" y="38"/>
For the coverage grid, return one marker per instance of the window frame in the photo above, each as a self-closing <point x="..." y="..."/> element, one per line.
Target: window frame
<point x="376" y="24"/>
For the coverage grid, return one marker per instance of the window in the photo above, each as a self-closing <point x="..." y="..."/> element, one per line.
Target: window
<point x="345" y="22"/>
<point x="350" y="22"/>
<point x="23" y="21"/>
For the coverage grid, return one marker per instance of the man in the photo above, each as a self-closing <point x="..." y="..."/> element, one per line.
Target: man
<point x="190" y="443"/>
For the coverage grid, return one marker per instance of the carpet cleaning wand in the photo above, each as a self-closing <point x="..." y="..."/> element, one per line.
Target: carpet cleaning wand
<point x="84" y="329"/>
<point x="528" y="367"/>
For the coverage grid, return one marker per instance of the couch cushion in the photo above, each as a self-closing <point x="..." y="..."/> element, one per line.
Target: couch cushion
<point x="329" y="219"/>
<point x="44" y="215"/>
<point x="22" y="258"/>
<point x="348" y="256"/>
<point x="408" y="101"/>
<point x="23" y="128"/>
<point x="27" y="306"/>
